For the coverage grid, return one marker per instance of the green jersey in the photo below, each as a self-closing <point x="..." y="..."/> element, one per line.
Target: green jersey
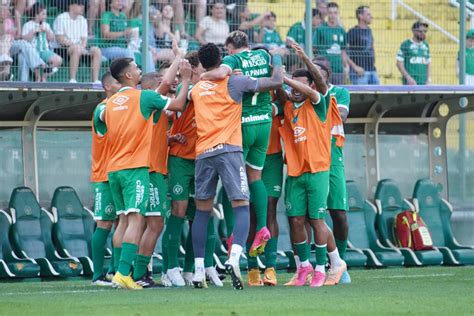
<point x="256" y="107"/>
<point x="117" y="23"/>
<point x="416" y="58"/>
<point x="271" y="38"/>
<point x="329" y="42"/>
<point x="297" y="33"/>
<point x="99" y="126"/>
<point x="469" y="61"/>
<point x="343" y="100"/>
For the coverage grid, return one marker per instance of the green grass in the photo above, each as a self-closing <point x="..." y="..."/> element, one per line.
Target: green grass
<point x="439" y="290"/>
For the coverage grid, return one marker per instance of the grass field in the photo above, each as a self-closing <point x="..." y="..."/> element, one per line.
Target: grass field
<point x="438" y="290"/>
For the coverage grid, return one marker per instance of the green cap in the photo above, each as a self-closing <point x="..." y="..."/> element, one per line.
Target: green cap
<point x="470" y="34"/>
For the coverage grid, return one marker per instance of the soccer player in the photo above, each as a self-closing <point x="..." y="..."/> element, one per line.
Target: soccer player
<point x="182" y="167"/>
<point x="104" y="209"/>
<point x="219" y="154"/>
<point x="306" y="133"/>
<point x="256" y="126"/>
<point x="158" y="205"/>
<point x="129" y="136"/>
<point x="337" y="198"/>
<point x="272" y="176"/>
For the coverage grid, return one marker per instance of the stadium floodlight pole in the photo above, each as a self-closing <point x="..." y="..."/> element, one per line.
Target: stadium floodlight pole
<point x="308" y="41"/>
<point x="462" y="117"/>
<point x="145" y="26"/>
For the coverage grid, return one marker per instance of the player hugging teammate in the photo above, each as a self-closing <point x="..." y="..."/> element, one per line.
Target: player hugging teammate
<point x="221" y="127"/>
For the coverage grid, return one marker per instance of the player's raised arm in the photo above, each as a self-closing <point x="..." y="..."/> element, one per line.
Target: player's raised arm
<point x="313" y="95"/>
<point x="179" y="102"/>
<point x="319" y="81"/>
<point x="276" y="80"/>
<point x="170" y="74"/>
<point x="218" y="73"/>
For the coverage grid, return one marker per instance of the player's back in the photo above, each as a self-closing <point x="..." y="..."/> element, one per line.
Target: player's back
<point x="217" y="115"/>
<point x="129" y="132"/>
<point x="99" y="145"/>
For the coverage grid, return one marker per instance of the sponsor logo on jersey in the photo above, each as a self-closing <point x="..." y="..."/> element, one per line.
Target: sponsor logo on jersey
<point x="206" y="85"/>
<point x="139" y="193"/>
<point x="120" y="100"/>
<point x="298" y="131"/>
<point x="243" y="180"/>
<point x="178" y="189"/>
<point x="256" y="118"/>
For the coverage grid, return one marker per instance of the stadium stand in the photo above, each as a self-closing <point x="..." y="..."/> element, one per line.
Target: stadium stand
<point x="436" y="212"/>
<point x="362" y="234"/>
<point x="10" y="265"/>
<point x="73" y="227"/>
<point x="31" y="236"/>
<point x="389" y="202"/>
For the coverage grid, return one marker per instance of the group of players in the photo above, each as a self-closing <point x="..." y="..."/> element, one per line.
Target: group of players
<point x="227" y="122"/>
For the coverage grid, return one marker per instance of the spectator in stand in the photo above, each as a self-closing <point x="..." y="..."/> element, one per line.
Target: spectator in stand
<point x="115" y="33"/>
<point x="38" y="32"/>
<point x="360" y="50"/>
<point x="414" y="59"/>
<point x="269" y="36"/>
<point x="250" y="23"/>
<point x="135" y="23"/>
<point x="469" y="79"/>
<point x="322" y="7"/>
<point x="297" y="32"/>
<point x="214" y="28"/>
<point x="71" y="36"/>
<point x="7" y="36"/>
<point x="330" y="42"/>
<point x="164" y="35"/>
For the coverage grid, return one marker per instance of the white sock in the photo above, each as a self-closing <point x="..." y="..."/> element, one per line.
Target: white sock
<point x="334" y="258"/>
<point x="297" y="261"/>
<point x="320" y="268"/>
<point x="235" y="253"/>
<point x="199" y="264"/>
<point x="305" y="263"/>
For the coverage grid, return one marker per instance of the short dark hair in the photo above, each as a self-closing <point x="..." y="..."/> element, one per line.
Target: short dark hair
<point x="150" y="80"/>
<point x="36" y="9"/>
<point x="333" y="5"/>
<point x="303" y="73"/>
<point x="118" y="66"/>
<point x="209" y="55"/>
<point x="193" y="58"/>
<point x="106" y="79"/>
<point x="361" y="10"/>
<point x="272" y="14"/>
<point x="317" y="12"/>
<point x="238" y="39"/>
<point x="417" y="25"/>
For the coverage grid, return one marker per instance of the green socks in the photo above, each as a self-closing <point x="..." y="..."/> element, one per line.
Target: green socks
<point x="111" y="263"/>
<point x="271" y="252"/>
<point x="175" y="225"/>
<point x="164" y="250"/>
<point x="259" y="199"/>
<point x="99" y="239"/>
<point x="189" y="256"/>
<point x="341" y="246"/>
<point x="302" y="250"/>
<point x="228" y="214"/>
<point x="210" y="244"/>
<point x="321" y="257"/>
<point x="129" y="252"/>
<point x="117" y="252"/>
<point x="141" y="263"/>
<point x="251" y="261"/>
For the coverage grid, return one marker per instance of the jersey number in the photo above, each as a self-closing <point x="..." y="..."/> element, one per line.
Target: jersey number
<point x="254" y="98"/>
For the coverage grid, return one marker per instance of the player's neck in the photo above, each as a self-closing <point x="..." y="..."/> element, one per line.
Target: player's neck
<point x="363" y="25"/>
<point x="239" y="50"/>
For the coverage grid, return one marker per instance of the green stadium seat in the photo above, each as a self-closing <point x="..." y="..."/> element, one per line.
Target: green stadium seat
<point x="355" y="257"/>
<point x="10" y="265"/>
<point x="436" y="213"/>
<point x="73" y="228"/>
<point x="389" y="202"/>
<point x="31" y="236"/>
<point x="362" y="235"/>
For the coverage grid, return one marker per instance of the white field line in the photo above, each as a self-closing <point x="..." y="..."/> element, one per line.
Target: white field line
<point x="50" y="292"/>
<point x="409" y="276"/>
